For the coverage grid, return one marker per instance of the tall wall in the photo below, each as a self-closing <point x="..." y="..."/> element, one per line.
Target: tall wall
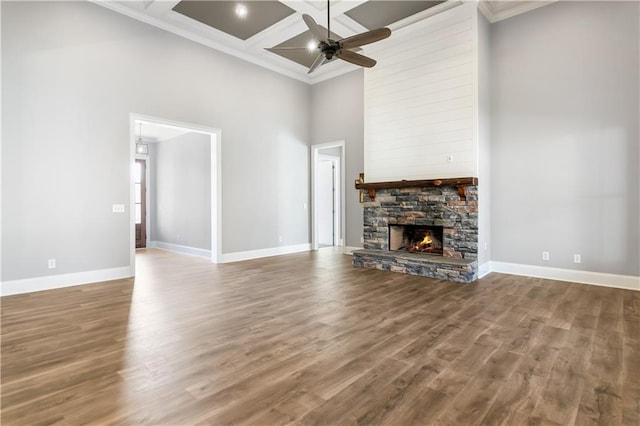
<point x="72" y="72"/>
<point x="420" y="100"/>
<point x="565" y="137"/>
<point x="484" y="143"/>
<point x="180" y="191"/>
<point x="337" y="113"/>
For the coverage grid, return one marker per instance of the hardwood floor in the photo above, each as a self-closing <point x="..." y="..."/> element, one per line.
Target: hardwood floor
<point x="308" y="339"/>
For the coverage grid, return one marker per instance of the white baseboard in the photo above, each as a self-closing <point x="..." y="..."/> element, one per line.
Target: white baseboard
<point x="180" y="249"/>
<point x="484" y="269"/>
<point x="584" y="277"/>
<point x="349" y="250"/>
<point x="256" y="254"/>
<point x="50" y="282"/>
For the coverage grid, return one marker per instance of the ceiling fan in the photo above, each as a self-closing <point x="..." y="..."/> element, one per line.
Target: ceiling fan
<point x="330" y="48"/>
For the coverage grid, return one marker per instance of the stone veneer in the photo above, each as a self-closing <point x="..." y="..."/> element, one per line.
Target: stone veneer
<point x="431" y="206"/>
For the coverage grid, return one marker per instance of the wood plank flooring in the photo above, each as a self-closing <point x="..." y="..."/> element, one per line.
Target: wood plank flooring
<point x="308" y="339"/>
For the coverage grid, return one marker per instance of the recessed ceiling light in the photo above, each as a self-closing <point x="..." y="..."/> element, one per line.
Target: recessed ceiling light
<point x="241" y="10"/>
<point x="312" y="46"/>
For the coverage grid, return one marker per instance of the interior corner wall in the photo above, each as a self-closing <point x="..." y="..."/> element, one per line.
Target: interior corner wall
<point x="180" y="210"/>
<point x="337" y="113"/>
<point x="565" y="137"/>
<point x="72" y="73"/>
<point x="484" y="141"/>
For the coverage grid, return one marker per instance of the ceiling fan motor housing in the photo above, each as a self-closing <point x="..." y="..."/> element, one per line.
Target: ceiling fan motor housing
<point x="329" y="49"/>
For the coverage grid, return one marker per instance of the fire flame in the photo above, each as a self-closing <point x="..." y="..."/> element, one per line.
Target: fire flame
<point x="426" y="241"/>
<point x="424" y="244"/>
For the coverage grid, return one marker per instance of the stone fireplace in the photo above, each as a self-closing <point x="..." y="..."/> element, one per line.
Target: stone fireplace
<point x="427" y="228"/>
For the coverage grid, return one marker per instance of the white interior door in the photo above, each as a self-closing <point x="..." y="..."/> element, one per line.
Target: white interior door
<point x="325" y="202"/>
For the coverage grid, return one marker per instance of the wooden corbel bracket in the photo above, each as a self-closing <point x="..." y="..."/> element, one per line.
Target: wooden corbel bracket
<point x="462" y="192"/>
<point x="460" y="183"/>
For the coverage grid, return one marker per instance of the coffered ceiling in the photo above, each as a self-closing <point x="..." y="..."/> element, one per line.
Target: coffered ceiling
<point x="247" y="28"/>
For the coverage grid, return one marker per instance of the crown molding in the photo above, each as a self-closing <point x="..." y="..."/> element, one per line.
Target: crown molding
<point x="495" y="10"/>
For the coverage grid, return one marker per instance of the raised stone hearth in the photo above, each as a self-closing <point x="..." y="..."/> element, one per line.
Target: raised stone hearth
<point x="444" y="268"/>
<point x="447" y="206"/>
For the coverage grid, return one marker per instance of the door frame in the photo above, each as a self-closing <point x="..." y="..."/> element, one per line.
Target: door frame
<point x="340" y="187"/>
<point x="215" y="136"/>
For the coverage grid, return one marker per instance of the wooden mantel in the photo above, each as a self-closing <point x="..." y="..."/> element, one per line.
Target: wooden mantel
<point x="460" y="183"/>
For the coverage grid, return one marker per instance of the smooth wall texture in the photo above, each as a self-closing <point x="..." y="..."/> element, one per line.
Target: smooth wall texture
<point x="180" y="191"/>
<point x="72" y="72"/>
<point x="484" y="140"/>
<point x="337" y="114"/>
<point x="565" y="137"/>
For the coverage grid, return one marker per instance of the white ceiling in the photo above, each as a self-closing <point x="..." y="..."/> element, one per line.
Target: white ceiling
<point x="159" y="13"/>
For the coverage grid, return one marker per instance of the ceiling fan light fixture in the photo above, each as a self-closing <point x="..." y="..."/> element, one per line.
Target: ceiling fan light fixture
<point x="312" y="45"/>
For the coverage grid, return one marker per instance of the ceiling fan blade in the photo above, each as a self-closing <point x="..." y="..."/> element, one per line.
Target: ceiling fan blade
<point x="365" y="38"/>
<point x="316" y="64"/>
<point x="276" y="49"/>
<point x="355" y="58"/>
<point x="315" y="29"/>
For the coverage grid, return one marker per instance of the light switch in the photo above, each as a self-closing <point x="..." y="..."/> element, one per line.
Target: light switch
<point x="117" y="208"/>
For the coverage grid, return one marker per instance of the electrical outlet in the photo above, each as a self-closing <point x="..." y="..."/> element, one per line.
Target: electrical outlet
<point x="362" y="239"/>
<point x="279" y="238"/>
<point x="304" y="206"/>
<point x="51" y="263"/>
<point x="545" y="255"/>
<point x="577" y="258"/>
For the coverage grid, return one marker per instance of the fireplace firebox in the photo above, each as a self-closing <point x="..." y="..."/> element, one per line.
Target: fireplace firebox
<point x="416" y="239"/>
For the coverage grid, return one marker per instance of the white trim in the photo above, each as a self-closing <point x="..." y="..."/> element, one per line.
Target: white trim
<point x="495" y="11"/>
<point x="486" y="9"/>
<point x="349" y="250"/>
<point x="256" y="254"/>
<point x="484" y="269"/>
<point x="342" y="188"/>
<point x="194" y="251"/>
<point x="50" y="282"/>
<point x="427" y="13"/>
<point x="584" y="277"/>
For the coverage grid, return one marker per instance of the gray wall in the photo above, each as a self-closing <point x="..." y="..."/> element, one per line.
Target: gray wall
<point x="72" y="72"/>
<point x="565" y="133"/>
<point x="337" y="113"/>
<point x="180" y="191"/>
<point x="484" y="140"/>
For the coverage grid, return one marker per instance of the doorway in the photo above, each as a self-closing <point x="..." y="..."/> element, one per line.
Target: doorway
<point x="327" y="195"/>
<point x="215" y="139"/>
<point x="327" y="202"/>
